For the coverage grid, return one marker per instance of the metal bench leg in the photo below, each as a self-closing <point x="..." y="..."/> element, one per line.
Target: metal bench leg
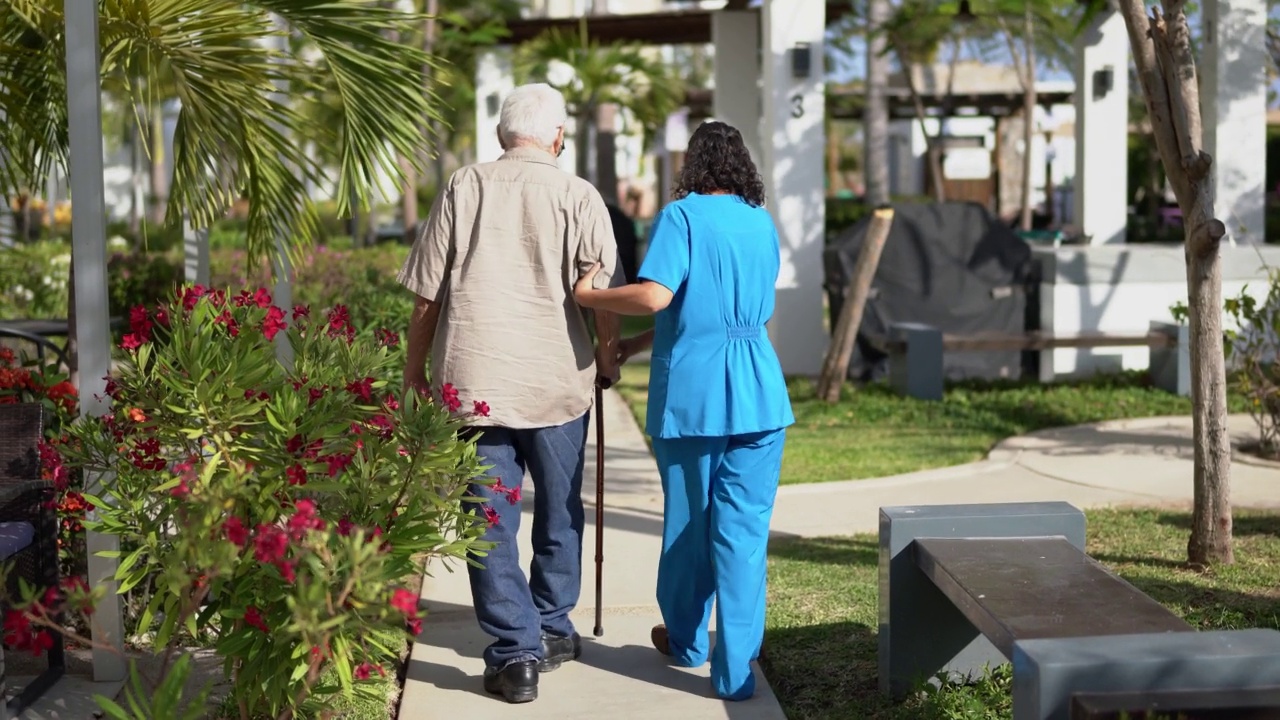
<point x="918" y="372"/>
<point x="921" y="633"/>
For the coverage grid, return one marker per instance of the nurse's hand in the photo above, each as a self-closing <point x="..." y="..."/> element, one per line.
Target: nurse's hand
<point x="583" y="290"/>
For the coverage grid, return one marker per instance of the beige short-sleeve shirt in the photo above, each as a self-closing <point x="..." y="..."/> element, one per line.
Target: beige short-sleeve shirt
<point x="501" y="250"/>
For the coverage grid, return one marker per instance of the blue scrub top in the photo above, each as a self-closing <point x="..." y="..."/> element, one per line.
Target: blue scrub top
<point x="714" y="371"/>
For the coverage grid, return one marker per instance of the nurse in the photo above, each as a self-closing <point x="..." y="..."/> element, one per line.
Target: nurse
<point x="718" y="404"/>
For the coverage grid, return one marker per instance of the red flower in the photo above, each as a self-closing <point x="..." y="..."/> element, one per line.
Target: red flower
<point x="242" y="299"/>
<point x="226" y="319"/>
<point x="387" y="338"/>
<point x="132" y="341"/>
<point x="340" y="323"/>
<point x="304" y="519"/>
<point x="274" y="323"/>
<point x="414" y="625"/>
<point x="314" y="394"/>
<point x="64" y="394"/>
<point x="270" y="545"/>
<point x="345" y="526"/>
<point x="236" y="532"/>
<point x="182" y="490"/>
<point x="287" y="571"/>
<point x="296" y="474"/>
<point x="384" y="426"/>
<point x="262" y="298"/>
<point x="449" y="396"/>
<point x="490" y="515"/>
<point x="480" y="408"/>
<point x="362" y="389"/>
<point x="191" y="296"/>
<point x="363" y="671"/>
<point x="254" y="619"/>
<point x="113" y="388"/>
<point x="405" y="601"/>
<point x="301" y="311"/>
<point x="140" y="321"/>
<point x="162" y="317"/>
<point x="337" y="463"/>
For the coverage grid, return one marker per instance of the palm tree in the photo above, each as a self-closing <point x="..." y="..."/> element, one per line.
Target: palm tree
<point x="235" y="137"/>
<point x="615" y="74"/>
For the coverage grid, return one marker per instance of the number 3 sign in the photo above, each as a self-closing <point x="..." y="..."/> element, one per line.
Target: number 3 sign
<point x="797" y="106"/>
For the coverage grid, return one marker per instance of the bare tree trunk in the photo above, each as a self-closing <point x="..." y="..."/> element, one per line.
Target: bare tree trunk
<point x="582" y="152"/>
<point x="1166" y="67"/>
<point x="933" y="158"/>
<point x="875" y="118"/>
<point x="607" y="152"/>
<point x="1029" y="111"/>
<point x="834" y="182"/>
<point x="843" y="336"/>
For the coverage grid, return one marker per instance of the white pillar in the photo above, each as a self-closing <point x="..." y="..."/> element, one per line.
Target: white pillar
<point x="736" y="37"/>
<point x="493" y="82"/>
<point x="195" y="253"/>
<point x="1102" y="131"/>
<point x="93" y="334"/>
<point x="1233" y="96"/>
<point x="793" y="145"/>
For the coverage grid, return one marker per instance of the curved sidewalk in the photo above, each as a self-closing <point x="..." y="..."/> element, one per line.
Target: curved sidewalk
<point x="1145" y="462"/>
<point x="1134" y="462"/>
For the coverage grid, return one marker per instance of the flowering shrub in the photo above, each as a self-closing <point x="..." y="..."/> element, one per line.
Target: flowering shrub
<point x="20" y="384"/>
<point x="275" y="508"/>
<point x="1253" y="352"/>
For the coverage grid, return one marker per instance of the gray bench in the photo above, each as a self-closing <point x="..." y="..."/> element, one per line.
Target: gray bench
<point x="916" y="351"/>
<point x="964" y="588"/>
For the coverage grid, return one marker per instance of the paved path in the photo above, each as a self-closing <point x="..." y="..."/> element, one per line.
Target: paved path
<point x="1141" y="462"/>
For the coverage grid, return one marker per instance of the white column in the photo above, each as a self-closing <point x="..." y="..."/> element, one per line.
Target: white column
<point x="93" y="334"/>
<point x="793" y="143"/>
<point x="195" y="253"/>
<point x="1233" y="95"/>
<point x="493" y="81"/>
<point x="1102" y="131"/>
<point x="736" y="37"/>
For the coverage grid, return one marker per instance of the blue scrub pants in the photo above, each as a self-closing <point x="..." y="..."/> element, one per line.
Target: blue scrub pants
<point x="719" y="494"/>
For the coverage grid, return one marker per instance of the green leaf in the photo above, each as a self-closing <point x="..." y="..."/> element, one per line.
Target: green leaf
<point x="110" y="708"/>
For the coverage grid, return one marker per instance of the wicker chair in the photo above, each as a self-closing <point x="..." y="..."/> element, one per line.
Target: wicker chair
<point x="28" y="525"/>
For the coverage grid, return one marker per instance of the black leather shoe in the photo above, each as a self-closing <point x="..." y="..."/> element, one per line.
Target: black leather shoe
<point x="516" y="683"/>
<point x="558" y="650"/>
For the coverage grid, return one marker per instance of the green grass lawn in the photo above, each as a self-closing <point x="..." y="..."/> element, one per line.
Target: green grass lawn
<point x="820" y="642"/>
<point x="872" y="432"/>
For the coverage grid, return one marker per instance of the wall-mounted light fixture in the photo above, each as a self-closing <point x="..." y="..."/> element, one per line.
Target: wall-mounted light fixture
<point x="491" y="104"/>
<point x="801" y="61"/>
<point x="1103" y="80"/>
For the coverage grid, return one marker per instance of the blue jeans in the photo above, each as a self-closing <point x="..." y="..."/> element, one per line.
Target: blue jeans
<point x="510" y="608"/>
<point x="718" y="494"/>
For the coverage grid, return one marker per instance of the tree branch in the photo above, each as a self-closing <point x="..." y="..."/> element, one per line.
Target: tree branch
<point x="1154" y="92"/>
<point x="1172" y="43"/>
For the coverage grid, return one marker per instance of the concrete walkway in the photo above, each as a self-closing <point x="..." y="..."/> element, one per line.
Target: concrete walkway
<point x="1140" y="462"/>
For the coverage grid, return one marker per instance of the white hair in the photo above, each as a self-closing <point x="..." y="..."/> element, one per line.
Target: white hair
<point x="532" y="113"/>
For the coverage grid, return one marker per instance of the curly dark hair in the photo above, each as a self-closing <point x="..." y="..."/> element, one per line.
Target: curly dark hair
<point x="718" y="161"/>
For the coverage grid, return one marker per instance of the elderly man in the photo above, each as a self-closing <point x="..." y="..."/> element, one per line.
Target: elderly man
<point x="494" y="270"/>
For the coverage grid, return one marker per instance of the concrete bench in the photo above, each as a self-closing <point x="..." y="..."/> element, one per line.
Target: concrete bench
<point x="916" y="351"/>
<point x="964" y="588"/>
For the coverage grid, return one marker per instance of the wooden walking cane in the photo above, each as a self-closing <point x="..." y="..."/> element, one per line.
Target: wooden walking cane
<point x="600" y="386"/>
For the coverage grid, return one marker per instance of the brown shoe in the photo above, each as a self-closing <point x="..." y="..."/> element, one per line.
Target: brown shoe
<point x="658" y="636"/>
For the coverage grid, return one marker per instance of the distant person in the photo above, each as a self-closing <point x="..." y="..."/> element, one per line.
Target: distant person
<point x="494" y="270"/>
<point x="718" y="404"/>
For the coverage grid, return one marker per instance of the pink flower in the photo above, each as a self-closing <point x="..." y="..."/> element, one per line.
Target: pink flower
<point x="304" y="519"/>
<point x="490" y="515"/>
<point x="132" y="341"/>
<point x="345" y="526"/>
<point x="337" y="463"/>
<point x="262" y="298"/>
<point x="301" y="311"/>
<point x="480" y="408"/>
<point x="387" y="338"/>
